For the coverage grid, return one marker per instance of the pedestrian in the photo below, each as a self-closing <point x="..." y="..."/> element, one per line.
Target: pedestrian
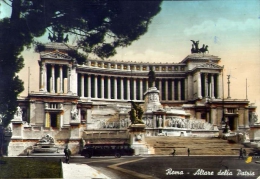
<point x="67" y="153"/>
<point x="241" y="154"/>
<point x="173" y="153"/>
<point x="244" y="153"/>
<point x="188" y="152"/>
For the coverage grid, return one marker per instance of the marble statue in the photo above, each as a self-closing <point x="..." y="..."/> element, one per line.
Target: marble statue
<point x="151" y="78"/>
<point x="74" y="113"/>
<point x="18" y="114"/>
<point x="195" y="47"/>
<point x="136" y="113"/>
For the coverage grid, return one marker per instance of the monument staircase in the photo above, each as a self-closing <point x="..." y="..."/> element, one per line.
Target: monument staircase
<point x="163" y="145"/>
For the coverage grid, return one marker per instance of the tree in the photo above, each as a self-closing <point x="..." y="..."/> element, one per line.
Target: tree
<point x="99" y="25"/>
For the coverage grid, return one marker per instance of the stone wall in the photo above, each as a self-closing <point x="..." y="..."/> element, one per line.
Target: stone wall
<point x="30" y="135"/>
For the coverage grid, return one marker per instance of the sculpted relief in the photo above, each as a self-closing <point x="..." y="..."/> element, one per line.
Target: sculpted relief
<point x="74" y="113"/>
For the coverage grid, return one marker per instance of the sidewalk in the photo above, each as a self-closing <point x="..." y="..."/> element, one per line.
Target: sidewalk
<point x="81" y="171"/>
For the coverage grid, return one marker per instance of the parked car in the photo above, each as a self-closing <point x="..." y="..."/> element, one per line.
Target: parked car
<point x="254" y="153"/>
<point x="116" y="150"/>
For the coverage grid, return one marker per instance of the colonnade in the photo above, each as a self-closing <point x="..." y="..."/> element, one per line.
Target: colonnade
<point x="55" y="78"/>
<point x="127" y="88"/>
<point x="210" y="86"/>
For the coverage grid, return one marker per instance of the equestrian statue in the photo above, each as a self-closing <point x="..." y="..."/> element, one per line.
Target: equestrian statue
<point x="195" y="47"/>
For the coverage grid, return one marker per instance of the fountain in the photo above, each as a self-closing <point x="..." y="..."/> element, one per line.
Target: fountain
<point x="45" y="145"/>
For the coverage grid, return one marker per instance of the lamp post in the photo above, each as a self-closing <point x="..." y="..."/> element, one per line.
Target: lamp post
<point x="228" y="86"/>
<point x="224" y="121"/>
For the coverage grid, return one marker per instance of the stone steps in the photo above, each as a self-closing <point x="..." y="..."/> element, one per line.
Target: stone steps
<point x="198" y="146"/>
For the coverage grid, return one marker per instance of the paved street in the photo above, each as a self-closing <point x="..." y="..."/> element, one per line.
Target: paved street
<point x="173" y="167"/>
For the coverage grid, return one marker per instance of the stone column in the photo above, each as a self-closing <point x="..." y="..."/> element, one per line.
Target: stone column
<point x="82" y="85"/>
<point x="206" y="86"/>
<point x="108" y="87"/>
<point x="190" y="87"/>
<point x="69" y="79"/>
<point x="89" y="85"/>
<point x="160" y="87"/>
<point x="166" y="89"/>
<point x="212" y="86"/>
<point x="42" y="71"/>
<point x="53" y="78"/>
<point x="186" y="89"/>
<point x="45" y="77"/>
<point x="179" y="89"/>
<point x="102" y="87"/>
<point x="96" y="87"/>
<point x="199" y="85"/>
<point x="115" y="88"/>
<point x="173" y="91"/>
<point x="154" y="121"/>
<point x="57" y="84"/>
<point x="141" y="89"/>
<point x="134" y="90"/>
<point x="146" y="84"/>
<point x="128" y="88"/>
<point x="61" y="79"/>
<point x="122" y="87"/>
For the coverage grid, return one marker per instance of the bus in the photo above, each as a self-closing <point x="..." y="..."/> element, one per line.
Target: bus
<point x="116" y="150"/>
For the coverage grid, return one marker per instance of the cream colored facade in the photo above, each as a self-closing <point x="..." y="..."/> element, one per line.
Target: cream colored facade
<point x="91" y="101"/>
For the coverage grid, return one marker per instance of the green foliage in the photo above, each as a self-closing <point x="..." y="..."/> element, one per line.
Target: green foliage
<point x="81" y="58"/>
<point x="101" y="26"/>
<point x="30" y="168"/>
<point x="39" y="47"/>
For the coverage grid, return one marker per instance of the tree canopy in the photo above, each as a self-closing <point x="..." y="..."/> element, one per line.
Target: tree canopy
<point x="99" y="25"/>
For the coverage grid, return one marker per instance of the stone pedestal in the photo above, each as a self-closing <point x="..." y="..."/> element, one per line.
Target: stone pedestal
<point x="152" y="100"/>
<point x="17" y="129"/>
<point x="74" y="131"/>
<point x="137" y="139"/>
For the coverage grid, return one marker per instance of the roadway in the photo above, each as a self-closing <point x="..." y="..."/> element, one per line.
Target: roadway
<point x="173" y="167"/>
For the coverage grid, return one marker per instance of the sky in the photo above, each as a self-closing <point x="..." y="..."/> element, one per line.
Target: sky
<point x="230" y="28"/>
